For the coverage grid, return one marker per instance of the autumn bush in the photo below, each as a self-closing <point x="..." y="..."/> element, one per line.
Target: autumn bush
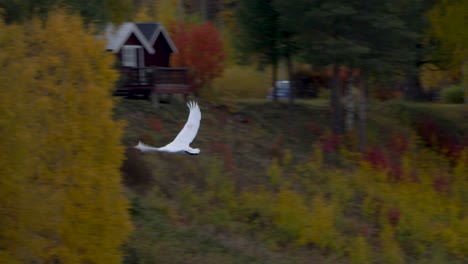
<point x="362" y="214"/>
<point x="201" y="50"/>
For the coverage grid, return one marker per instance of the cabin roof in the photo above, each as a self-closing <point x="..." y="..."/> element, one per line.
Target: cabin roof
<point x="116" y="38"/>
<point x="146" y="33"/>
<point x="148" y="29"/>
<point x="152" y="30"/>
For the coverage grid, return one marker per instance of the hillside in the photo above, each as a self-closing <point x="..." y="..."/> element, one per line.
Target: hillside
<point x="262" y="169"/>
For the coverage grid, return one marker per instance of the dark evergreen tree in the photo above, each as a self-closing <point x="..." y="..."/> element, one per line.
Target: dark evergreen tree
<point x="93" y="11"/>
<point x="370" y="35"/>
<point x="261" y="33"/>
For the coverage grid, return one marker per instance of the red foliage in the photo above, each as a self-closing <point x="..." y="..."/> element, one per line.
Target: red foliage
<point x="398" y="144"/>
<point x="155" y="124"/>
<point x="428" y="130"/>
<point x="277" y="147"/>
<point x="228" y="159"/>
<point x="330" y="142"/>
<point x="441" y="184"/>
<point x="376" y="157"/>
<point x="225" y="153"/>
<point x="395" y="172"/>
<point x="314" y="128"/>
<point x="380" y="159"/>
<point x="343" y="72"/>
<point x="436" y="137"/>
<point x="201" y="50"/>
<point x="393" y="216"/>
<point x="387" y="93"/>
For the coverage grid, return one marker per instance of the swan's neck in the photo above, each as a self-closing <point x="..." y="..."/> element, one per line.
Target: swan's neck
<point x="145" y="148"/>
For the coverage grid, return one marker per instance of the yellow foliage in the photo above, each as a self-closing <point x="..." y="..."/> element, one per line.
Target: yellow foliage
<point x="275" y="173"/>
<point x="167" y="12"/>
<point x="447" y="19"/>
<point x="461" y="169"/>
<point x="313" y="165"/>
<point x="421" y="211"/>
<point x="229" y="49"/>
<point x="215" y="203"/>
<point x="291" y="215"/>
<point x="62" y="182"/>
<point x="15" y="161"/>
<point x="358" y="213"/>
<point x="240" y="82"/>
<point x="220" y="187"/>
<point x="391" y="251"/>
<point x="146" y="14"/>
<point x="258" y="205"/>
<point x="162" y="11"/>
<point x="228" y="16"/>
<point x="321" y="229"/>
<point x="287" y="158"/>
<point x="360" y="252"/>
<point x="433" y="77"/>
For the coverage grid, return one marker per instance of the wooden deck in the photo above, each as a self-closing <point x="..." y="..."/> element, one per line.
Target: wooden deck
<point x="171" y="81"/>
<point x="153" y="80"/>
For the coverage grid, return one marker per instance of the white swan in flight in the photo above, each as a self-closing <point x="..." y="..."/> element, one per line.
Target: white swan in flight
<point x="181" y="143"/>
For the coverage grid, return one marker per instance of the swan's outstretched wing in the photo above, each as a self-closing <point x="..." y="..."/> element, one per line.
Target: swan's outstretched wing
<point x="188" y="133"/>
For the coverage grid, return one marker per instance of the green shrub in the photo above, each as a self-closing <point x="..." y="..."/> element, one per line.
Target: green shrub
<point x="453" y="94"/>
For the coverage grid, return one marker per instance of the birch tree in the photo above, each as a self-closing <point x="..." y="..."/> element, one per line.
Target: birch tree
<point x="61" y="200"/>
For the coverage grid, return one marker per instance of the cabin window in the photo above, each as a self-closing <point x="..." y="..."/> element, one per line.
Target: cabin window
<point x="132" y="56"/>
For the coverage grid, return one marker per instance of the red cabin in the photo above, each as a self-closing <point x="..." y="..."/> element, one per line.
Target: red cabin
<point x="143" y="51"/>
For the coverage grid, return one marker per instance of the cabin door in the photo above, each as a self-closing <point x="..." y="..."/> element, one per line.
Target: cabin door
<point x="140" y="54"/>
<point x="133" y="56"/>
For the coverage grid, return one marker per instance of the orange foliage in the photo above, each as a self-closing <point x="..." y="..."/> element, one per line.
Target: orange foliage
<point x="201" y="49"/>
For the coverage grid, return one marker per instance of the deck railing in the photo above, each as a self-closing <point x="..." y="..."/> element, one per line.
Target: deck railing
<point x="142" y="76"/>
<point x="164" y="75"/>
<point x="161" y="80"/>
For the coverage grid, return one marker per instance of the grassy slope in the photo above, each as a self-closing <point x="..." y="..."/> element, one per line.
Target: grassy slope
<point x="247" y="140"/>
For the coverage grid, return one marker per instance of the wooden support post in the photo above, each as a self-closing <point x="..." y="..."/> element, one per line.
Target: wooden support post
<point x="155" y="99"/>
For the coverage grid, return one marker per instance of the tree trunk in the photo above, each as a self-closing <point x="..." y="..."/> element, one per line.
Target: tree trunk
<point x="362" y="112"/>
<point x="274" y="78"/>
<point x="203" y="10"/>
<point x="414" y="90"/>
<point x="181" y="11"/>
<point x="292" y="86"/>
<point x="155" y="99"/>
<point x="335" y="102"/>
<point x="350" y="102"/>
